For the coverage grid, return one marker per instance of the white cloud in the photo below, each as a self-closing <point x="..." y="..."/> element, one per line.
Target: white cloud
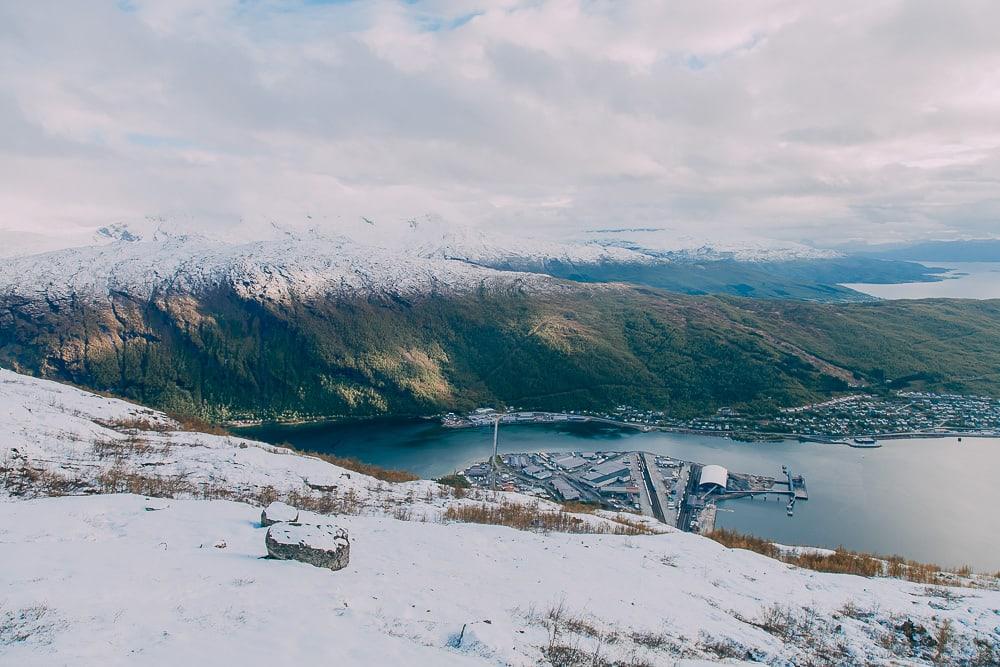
<point x="861" y="119"/>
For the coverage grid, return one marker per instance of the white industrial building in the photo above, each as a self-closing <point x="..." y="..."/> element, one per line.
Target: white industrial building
<point x="713" y="477"/>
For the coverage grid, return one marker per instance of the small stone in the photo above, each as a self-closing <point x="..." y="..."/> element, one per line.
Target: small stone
<point x="277" y="512"/>
<point x="320" y="545"/>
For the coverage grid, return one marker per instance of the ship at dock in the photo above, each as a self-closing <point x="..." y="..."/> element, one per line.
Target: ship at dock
<point x="864" y="442"/>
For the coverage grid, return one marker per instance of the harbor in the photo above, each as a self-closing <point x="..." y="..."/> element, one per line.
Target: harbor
<point x="892" y="485"/>
<point x="679" y="493"/>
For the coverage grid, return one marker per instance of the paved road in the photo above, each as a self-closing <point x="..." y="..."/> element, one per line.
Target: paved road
<point x="659" y="484"/>
<point x="650" y="492"/>
<point x="686" y="484"/>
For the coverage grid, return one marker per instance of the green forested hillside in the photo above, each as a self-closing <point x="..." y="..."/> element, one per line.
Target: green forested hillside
<point x="584" y="347"/>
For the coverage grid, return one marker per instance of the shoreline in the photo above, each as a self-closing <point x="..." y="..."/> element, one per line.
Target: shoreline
<point x="750" y="437"/>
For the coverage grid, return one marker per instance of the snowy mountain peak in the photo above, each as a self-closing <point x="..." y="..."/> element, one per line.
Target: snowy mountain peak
<point x="300" y="264"/>
<point x="118" y="232"/>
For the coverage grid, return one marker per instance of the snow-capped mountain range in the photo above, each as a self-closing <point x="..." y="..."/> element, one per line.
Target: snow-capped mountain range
<point x="292" y="266"/>
<point x="418" y="255"/>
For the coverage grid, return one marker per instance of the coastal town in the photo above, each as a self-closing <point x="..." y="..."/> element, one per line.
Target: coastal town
<point x="861" y="417"/>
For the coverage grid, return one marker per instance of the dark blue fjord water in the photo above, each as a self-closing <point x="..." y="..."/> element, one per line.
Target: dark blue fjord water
<point x="933" y="500"/>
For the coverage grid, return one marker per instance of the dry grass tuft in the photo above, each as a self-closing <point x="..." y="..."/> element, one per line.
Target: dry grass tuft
<point x="121" y="479"/>
<point x="532" y="517"/>
<point x="122" y="449"/>
<point x="580" y="508"/>
<point x="29" y="482"/>
<point x="134" y="424"/>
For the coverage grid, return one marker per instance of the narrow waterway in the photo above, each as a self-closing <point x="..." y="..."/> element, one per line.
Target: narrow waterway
<point x="927" y="499"/>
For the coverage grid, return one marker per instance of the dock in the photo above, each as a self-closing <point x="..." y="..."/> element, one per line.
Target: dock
<point x="678" y="493"/>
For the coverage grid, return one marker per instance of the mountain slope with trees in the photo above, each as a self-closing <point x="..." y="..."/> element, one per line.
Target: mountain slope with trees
<point x="222" y="353"/>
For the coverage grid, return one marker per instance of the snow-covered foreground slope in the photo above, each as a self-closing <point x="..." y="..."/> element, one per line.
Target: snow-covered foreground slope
<point x="104" y="580"/>
<point x="125" y="579"/>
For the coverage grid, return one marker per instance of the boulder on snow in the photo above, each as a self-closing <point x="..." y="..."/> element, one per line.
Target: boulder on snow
<point x="277" y="512"/>
<point x="322" y="546"/>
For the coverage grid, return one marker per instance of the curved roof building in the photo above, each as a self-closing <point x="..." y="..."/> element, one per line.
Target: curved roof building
<point x="713" y="475"/>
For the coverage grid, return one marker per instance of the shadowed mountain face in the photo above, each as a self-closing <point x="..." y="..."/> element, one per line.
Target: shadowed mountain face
<point x="219" y="352"/>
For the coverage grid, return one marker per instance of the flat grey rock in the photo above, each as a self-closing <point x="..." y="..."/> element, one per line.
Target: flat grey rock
<point x="320" y="545"/>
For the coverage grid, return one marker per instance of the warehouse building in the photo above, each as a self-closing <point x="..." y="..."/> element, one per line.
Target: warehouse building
<point x="713" y="478"/>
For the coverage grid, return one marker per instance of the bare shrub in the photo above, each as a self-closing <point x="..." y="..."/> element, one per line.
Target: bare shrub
<point x="402" y="513"/>
<point x="654" y="641"/>
<point x="120" y="479"/>
<point x="28" y="481"/>
<point x="723" y="647"/>
<point x="944" y="636"/>
<point x="987" y="653"/>
<point x="122" y="449"/>
<point x="580" y="508"/>
<point x="851" y="610"/>
<point x="27" y="623"/>
<point x="778" y="620"/>
<point x="578" y="640"/>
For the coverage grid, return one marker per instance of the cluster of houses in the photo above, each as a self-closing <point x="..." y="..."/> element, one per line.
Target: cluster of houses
<point x="489" y="416"/>
<point x="855" y="414"/>
<point x="904" y="412"/>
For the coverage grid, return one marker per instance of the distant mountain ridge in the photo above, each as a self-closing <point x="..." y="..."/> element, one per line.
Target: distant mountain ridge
<point x="427" y="254"/>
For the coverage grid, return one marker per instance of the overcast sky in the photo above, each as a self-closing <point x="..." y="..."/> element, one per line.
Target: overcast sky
<point x="821" y="121"/>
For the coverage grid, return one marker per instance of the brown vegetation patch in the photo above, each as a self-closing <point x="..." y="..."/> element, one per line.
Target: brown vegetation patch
<point x="134" y="424"/>
<point x="197" y="424"/>
<point x="126" y="448"/>
<point x="844" y="561"/>
<point x="384" y="474"/>
<point x="532" y="517"/>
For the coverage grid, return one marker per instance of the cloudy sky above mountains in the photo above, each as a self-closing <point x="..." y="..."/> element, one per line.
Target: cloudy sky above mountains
<point x="816" y="121"/>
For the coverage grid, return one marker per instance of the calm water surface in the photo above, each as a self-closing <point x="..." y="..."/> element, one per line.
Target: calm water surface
<point x="964" y="280"/>
<point x="928" y="499"/>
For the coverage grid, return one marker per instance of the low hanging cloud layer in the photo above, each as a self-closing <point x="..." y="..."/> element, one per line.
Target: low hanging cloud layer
<point x="825" y="122"/>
